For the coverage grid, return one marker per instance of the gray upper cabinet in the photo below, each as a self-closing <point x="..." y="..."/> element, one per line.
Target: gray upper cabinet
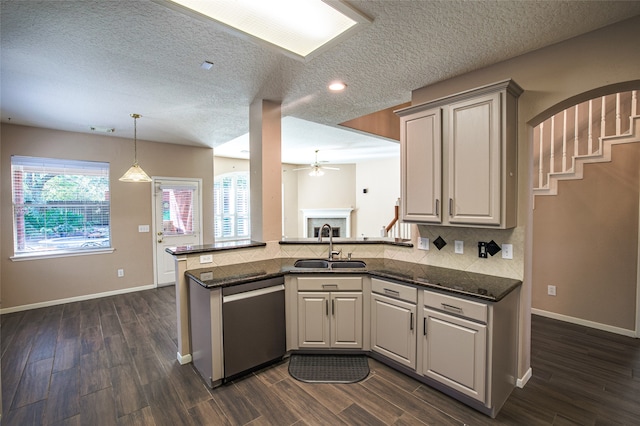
<point x="459" y="158"/>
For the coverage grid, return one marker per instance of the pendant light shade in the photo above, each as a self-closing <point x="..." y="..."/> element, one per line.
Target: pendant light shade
<point x="135" y="172"/>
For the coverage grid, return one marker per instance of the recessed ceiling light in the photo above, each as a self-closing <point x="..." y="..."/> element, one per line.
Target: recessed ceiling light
<point x="337" y="86"/>
<point x="206" y="65"/>
<point x="300" y="29"/>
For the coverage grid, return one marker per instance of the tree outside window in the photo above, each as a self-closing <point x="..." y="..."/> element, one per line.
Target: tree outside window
<point x="59" y="205"/>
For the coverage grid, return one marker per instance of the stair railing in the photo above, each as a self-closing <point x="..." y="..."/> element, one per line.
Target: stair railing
<point x="579" y="124"/>
<point x="396" y="229"/>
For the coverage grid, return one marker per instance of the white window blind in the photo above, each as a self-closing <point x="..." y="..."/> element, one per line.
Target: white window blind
<point x="231" y="207"/>
<point x="59" y="205"/>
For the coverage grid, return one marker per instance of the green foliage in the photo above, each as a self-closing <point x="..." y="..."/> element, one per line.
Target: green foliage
<point x="51" y="222"/>
<point x="40" y="188"/>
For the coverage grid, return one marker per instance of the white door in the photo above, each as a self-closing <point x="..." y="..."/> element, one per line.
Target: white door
<point x="177" y="222"/>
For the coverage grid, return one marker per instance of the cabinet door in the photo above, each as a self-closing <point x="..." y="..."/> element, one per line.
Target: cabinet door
<point x="393" y="329"/>
<point x="346" y="320"/>
<point x="455" y="352"/>
<point x="421" y="162"/>
<point x="313" y="319"/>
<point x="474" y="161"/>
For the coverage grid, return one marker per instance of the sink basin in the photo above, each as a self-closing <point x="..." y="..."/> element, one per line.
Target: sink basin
<point x="311" y="263"/>
<point x="340" y="264"/>
<point x="326" y="264"/>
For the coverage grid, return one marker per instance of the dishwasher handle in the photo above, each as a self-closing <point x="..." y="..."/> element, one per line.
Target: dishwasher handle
<point x="252" y="293"/>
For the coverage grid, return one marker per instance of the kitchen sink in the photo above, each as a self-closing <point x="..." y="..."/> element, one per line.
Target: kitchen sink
<point x="329" y="264"/>
<point x="343" y="264"/>
<point x="311" y="263"/>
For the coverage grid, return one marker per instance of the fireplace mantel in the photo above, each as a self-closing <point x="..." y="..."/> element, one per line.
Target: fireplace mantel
<point x="344" y="214"/>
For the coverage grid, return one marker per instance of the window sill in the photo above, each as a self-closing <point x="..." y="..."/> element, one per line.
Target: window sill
<point x="52" y="255"/>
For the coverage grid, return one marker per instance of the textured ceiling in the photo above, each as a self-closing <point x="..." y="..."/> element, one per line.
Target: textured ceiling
<point x="71" y="64"/>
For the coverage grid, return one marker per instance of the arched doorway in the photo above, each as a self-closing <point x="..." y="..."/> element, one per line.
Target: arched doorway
<point x="585" y="237"/>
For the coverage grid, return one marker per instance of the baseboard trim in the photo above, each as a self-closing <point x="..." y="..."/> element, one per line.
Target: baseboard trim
<point x="74" y="299"/>
<point x="586" y="323"/>
<point x="524" y="379"/>
<point x="184" y="359"/>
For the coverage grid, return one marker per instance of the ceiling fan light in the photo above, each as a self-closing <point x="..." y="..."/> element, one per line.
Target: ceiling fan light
<point x="316" y="172"/>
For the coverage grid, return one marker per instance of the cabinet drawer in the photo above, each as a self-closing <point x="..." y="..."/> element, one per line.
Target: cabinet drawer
<point x="329" y="283"/>
<point x="456" y="305"/>
<point x="398" y="291"/>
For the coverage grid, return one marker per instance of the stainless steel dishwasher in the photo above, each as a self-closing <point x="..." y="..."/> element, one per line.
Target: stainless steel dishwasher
<point x="253" y="322"/>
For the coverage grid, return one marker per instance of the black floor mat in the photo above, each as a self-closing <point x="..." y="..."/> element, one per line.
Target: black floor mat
<point x="329" y="368"/>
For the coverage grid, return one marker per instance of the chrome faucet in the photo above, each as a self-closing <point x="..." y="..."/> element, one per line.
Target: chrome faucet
<point x="331" y="251"/>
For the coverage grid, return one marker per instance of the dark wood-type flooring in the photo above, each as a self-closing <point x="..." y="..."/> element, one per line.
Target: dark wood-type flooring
<point x="113" y="361"/>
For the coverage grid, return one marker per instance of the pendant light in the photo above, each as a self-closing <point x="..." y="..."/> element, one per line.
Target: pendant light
<point x="135" y="173"/>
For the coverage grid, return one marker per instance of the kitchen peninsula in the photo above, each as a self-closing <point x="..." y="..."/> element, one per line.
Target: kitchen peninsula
<point x="453" y="330"/>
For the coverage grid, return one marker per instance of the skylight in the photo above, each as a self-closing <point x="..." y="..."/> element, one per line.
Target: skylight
<point x="302" y="28"/>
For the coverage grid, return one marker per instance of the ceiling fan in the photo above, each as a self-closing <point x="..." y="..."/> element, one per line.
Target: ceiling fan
<point x="316" y="168"/>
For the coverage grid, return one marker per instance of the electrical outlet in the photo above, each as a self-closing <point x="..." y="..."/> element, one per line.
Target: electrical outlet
<point x="458" y="246"/>
<point x="206" y="258"/>
<point x="551" y="290"/>
<point x="120" y="273"/>
<point x="423" y="243"/>
<point x="507" y="251"/>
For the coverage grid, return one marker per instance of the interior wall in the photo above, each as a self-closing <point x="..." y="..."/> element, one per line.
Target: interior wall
<point x="222" y="165"/>
<point x="336" y="189"/>
<point x="33" y="281"/>
<point x="290" y="201"/>
<point x="548" y="76"/>
<point x="586" y="243"/>
<point x="381" y="179"/>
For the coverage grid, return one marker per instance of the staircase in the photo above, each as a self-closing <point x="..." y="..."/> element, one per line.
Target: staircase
<point x="565" y="142"/>
<point x="400" y="231"/>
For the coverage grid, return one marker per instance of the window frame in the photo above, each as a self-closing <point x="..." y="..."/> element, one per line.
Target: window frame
<point x="235" y="216"/>
<point x="59" y="167"/>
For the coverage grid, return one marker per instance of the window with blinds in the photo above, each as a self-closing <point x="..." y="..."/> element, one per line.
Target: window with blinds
<point x="231" y="207"/>
<point x="59" y="206"/>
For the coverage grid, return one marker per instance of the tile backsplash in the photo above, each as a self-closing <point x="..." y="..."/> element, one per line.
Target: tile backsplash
<point x="446" y="257"/>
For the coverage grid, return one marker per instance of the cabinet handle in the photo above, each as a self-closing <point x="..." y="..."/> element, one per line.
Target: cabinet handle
<point x="424" y="326"/>
<point x="333" y="307"/>
<point x="411" y="322"/>
<point x="450" y="206"/>
<point x="327" y="306"/>
<point x="437" y="207"/>
<point x="451" y="308"/>
<point x="391" y="292"/>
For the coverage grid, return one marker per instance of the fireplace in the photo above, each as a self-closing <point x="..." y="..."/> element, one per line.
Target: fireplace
<point x="339" y="219"/>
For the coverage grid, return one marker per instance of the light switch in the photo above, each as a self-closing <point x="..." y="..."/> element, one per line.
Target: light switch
<point x="458" y="246"/>
<point x="206" y="258"/>
<point x="143" y="228"/>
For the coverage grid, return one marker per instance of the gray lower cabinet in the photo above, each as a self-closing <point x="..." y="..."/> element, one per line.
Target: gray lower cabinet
<point x="465" y="347"/>
<point x="455" y="352"/>
<point x="393" y="321"/>
<point x="331" y="318"/>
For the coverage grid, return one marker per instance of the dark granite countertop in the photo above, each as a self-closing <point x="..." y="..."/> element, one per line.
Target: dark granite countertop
<point x="338" y="241"/>
<point x="231" y="245"/>
<point x="479" y="286"/>
<point x="221" y="246"/>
